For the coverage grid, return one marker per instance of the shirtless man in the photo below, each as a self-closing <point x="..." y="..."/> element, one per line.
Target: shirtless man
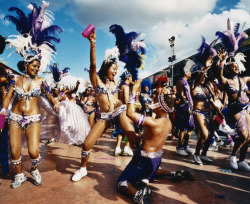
<point x="146" y="161"/>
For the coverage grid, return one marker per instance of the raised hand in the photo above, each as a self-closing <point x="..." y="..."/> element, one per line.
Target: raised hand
<point x="92" y="38"/>
<point x="222" y="56"/>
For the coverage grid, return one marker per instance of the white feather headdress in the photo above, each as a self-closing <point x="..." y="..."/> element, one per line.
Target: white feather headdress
<point x="35" y="34"/>
<point x="190" y="64"/>
<point x="112" y="54"/>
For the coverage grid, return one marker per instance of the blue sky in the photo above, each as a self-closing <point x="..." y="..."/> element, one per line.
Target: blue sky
<point x="158" y="20"/>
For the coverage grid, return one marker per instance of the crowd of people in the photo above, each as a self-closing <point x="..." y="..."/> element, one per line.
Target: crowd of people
<point x="210" y="97"/>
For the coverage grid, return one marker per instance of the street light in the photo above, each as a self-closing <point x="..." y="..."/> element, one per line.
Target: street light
<point x="173" y="57"/>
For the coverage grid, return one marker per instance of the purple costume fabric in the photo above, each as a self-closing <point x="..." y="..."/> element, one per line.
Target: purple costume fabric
<point x="184" y="119"/>
<point x="140" y="168"/>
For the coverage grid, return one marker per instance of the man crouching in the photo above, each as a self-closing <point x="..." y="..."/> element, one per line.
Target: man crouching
<point x="146" y="161"/>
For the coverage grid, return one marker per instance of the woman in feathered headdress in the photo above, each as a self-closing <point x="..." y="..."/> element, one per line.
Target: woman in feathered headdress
<point x="204" y="97"/>
<point x="34" y="45"/>
<point x="112" y="109"/>
<point x="236" y="88"/>
<point x="145" y="97"/>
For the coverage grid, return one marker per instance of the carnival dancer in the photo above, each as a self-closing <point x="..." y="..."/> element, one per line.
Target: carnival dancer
<point x="34" y="46"/>
<point x="203" y="116"/>
<point x="236" y="88"/>
<point x="88" y="103"/>
<point x="144" y="165"/>
<point x="112" y="109"/>
<point x="126" y="80"/>
<point x="145" y="97"/>
<point x="184" y="120"/>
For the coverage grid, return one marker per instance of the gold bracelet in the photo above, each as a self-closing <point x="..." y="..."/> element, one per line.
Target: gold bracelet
<point x="92" y="45"/>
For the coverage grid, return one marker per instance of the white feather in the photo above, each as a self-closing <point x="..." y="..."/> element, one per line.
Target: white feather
<point x="239" y="58"/>
<point x="112" y="54"/>
<point x="190" y="64"/>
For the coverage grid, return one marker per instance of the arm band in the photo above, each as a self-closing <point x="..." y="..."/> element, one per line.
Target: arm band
<point x="140" y="119"/>
<point x="132" y="98"/>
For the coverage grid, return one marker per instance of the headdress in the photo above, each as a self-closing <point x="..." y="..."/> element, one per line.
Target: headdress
<point x="132" y="50"/>
<point x="125" y="75"/>
<point x="232" y="39"/>
<point x="162" y="81"/>
<point x="165" y="101"/>
<point x="189" y="66"/>
<point x="204" y="52"/>
<point x="112" y="55"/>
<point x="35" y="34"/>
<point x="147" y="83"/>
<point x="58" y="75"/>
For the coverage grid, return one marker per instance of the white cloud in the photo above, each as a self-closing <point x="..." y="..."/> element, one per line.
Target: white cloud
<point x="186" y="20"/>
<point x="188" y="35"/>
<point x="244" y="4"/>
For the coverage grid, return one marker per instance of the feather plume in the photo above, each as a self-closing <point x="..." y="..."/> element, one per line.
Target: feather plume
<point x="57" y="74"/>
<point x="132" y="50"/>
<point x="231" y="39"/>
<point x="205" y="51"/>
<point x="36" y="33"/>
<point x="112" y="54"/>
<point x="190" y="64"/>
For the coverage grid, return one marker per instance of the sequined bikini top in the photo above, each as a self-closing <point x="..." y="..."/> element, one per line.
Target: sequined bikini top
<point x="103" y="89"/>
<point x="35" y="92"/>
<point x="243" y="96"/>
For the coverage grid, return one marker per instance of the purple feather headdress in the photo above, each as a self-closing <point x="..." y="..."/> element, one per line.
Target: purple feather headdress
<point x="232" y="39"/>
<point x="205" y="51"/>
<point x="132" y="50"/>
<point x="125" y="75"/>
<point x="36" y="34"/>
<point x="58" y="75"/>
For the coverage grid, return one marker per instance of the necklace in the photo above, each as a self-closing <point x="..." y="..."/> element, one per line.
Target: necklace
<point x="27" y="97"/>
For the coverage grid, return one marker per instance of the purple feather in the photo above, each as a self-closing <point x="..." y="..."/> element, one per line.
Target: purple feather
<point x="232" y="39"/>
<point x="128" y="55"/>
<point x="205" y="51"/>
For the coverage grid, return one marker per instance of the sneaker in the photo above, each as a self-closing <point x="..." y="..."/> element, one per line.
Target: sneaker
<point x="206" y="159"/>
<point x="188" y="150"/>
<point x="142" y="194"/>
<point x="243" y="166"/>
<point x="19" y="179"/>
<point x="37" y="177"/>
<point x="118" y="151"/>
<point x="181" y="152"/>
<point x="225" y="128"/>
<point x="197" y="159"/>
<point x="233" y="162"/>
<point x="79" y="174"/>
<point x="127" y="151"/>
<point x="219" y="143"/>
<point x="213" y="148"/>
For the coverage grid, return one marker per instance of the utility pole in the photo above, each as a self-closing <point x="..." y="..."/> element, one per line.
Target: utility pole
<point x="172" y="58"/>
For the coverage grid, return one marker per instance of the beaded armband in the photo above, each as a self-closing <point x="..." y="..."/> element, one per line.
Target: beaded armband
<point x="140" y="119"/>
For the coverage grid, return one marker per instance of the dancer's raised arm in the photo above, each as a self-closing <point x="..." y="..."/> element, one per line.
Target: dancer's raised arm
<point x="92" y="72"/>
